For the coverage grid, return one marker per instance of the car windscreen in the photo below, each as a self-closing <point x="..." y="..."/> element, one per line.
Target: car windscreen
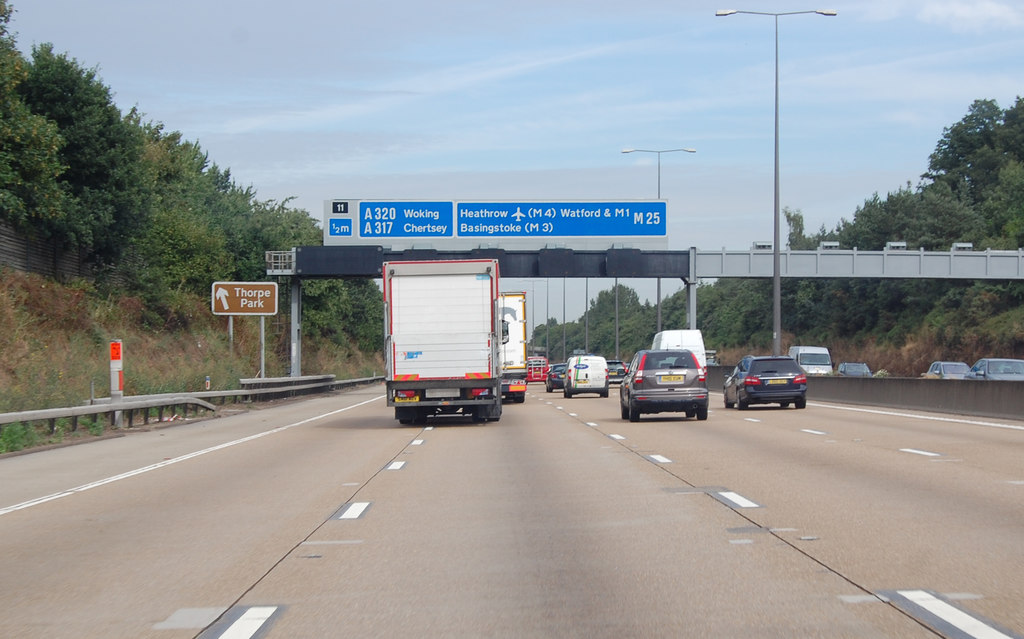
<point x="774" y="367"/>
<point x="815" y="359"/>
<point x="669" y="359"/>
<point x="955" y="369"/>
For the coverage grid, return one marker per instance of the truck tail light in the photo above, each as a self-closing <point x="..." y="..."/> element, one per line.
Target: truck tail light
<point x="479" y="392"/>
<point x="405" y="394"/>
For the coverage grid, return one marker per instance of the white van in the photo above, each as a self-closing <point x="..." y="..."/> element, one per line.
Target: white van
<point x="586" y="374"/>
<point x="691" y="339"/>
<point x="815" y="360"/>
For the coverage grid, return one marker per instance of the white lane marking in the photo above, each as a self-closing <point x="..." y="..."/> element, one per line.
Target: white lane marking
<point x="812" y="432"/>
<point x="429" y="428"/>
<point x="417" y="442"/>
<point x="931" y="418"/>
<point x="915" y="451"/>
<point x="249" y="623"/>
<point x="951" y="615"/>
<point x="751" y="419"/>
<point x="661" y="459"/>
<point x="614" y="436"/>
<point x="395" y="465"/>
<point x="176" y="460"/>
<point x="592" y="424"/>
<point x="355" y="510"/>
<point x="573" y="415"/>
<point x="739" y="500"/>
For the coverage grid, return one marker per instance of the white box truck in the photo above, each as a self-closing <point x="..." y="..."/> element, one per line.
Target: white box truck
<point x="513" y="351"/>
<point x="443" y="338"/>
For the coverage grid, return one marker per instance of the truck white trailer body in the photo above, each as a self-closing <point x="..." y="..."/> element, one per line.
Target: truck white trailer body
<point x="442" y="338"/>
<point x="513" y="352"/>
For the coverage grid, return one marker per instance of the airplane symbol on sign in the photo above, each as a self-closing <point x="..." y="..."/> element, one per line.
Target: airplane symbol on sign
<point x="519" y="215"/>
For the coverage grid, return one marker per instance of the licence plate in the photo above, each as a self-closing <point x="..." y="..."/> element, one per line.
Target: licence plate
<point x="777" y="381"/>
<point x="399" y="400"/>
<point x="673" y="378"/>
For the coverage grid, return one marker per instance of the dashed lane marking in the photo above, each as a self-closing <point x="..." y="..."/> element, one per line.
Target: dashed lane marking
<point x="737" y="499"/>
<point x="949" y="620"/>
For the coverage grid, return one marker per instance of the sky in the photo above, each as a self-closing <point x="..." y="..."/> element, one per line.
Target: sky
<point x="312" y="100"/>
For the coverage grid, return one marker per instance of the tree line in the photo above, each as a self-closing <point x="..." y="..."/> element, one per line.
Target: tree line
<point x="154" y="216"/>
<point x="157" y="219"/>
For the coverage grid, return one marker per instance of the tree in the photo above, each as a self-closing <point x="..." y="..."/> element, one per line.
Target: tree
<point x="30" y="197"/>
<point x="105" y="202"/>
<point x="967" y="159"/>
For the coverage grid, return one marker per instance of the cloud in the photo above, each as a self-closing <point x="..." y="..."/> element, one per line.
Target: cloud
<point x="972" y="16"/>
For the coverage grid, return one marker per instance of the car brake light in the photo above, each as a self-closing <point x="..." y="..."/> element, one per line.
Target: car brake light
<point x="800" y="379"/>
<point x="702" y="373"/>
<point x="751" y="380"/>
<point x="640" y="369"/>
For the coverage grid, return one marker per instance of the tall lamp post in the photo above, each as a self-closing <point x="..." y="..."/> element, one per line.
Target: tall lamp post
<point x="658" y="152"/>
<point x="776" y="265"/>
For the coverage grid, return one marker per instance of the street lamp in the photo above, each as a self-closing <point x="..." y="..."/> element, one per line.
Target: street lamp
<point x="776" y="267"/>
<point x="659" y="159"/>
<point x="659" y="152"/>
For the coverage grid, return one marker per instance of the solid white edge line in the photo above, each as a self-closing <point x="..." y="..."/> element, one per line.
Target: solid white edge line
<point x="738" y="499"/>
<point x="169" y="462"/>
<point x="933" y="418"/>
<point x="249" y="623"/>
<point x="952" y="615"/>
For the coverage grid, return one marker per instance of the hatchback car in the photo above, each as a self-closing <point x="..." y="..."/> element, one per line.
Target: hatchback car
<point x="660" y="381"/>
<point x="616" y="371"/>
<point x="766" y="380"/>
<point x="555" y="378"/>
<point x="946" y="370"/>
<point x="853" y="369"/>
<point x="997" y="369"/>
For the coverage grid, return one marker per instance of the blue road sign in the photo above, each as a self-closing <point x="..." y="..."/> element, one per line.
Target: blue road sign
<point x="406" y="219"/>
<point x="560" y="219"/>
<point x="339" y="228"/>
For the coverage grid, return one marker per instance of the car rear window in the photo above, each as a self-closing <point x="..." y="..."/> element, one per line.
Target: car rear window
<point x="778" y="366"/>
<point x="669" y="359"/>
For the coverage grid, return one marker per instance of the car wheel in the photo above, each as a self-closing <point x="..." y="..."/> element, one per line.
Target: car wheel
<point x="634" y="412"/>
<point x="801" y="403"/>
<point x="783" y="404"/>
<point x="566" y="393"/>
<point x="548" y="388"/>
<point x="728" y="404"/>
<point x="741" y="403"/>
<point x="623" y="410"/>
<point x="702" y="413"/>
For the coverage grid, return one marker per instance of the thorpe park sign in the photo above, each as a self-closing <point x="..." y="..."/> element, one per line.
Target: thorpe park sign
<point x="519" y="225"/>
<point x="244" y="298"/>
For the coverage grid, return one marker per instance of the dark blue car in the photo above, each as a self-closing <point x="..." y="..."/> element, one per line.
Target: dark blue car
<point x="766" y="380"/>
